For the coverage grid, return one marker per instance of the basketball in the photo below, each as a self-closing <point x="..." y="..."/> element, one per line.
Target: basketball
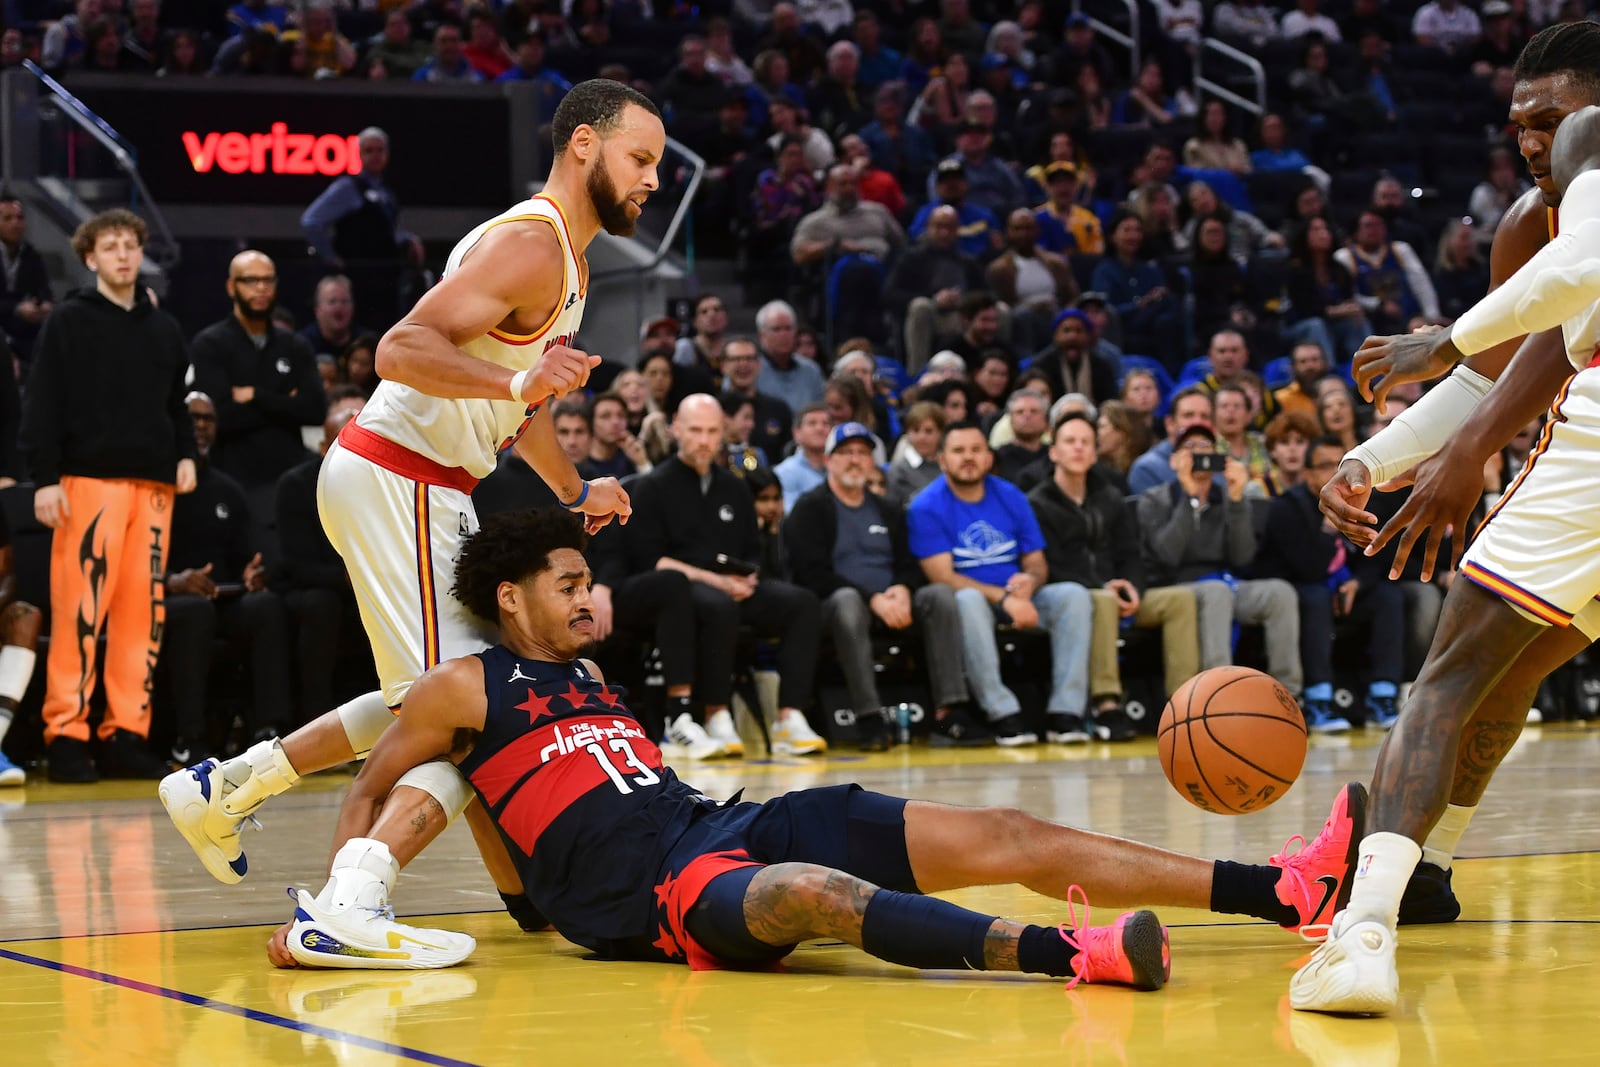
<point x="1232" y="740"/>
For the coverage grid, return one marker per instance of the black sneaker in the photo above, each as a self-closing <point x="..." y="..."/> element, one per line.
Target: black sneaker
<point x="127" y="755"/>
<point x="70" y="762"/>
<point x="1065" y="728"/>
<point x="1112" y="724"/>
<point x="1012" y="732"/>
<point x="872" y="732"/>
<point x="1428" y="898"/>
<point x="956" y="729"/>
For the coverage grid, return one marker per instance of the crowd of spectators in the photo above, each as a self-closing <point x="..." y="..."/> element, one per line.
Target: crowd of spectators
<point x="1043" y="342"/>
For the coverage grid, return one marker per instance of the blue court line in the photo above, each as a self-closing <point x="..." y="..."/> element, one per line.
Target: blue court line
<point x="251" y="1014"/>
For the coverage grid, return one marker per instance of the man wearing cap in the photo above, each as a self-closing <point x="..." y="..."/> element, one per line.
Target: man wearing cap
<point x="1190" y="406"/>
<point x="1097" y="306"/>
<point x="980" y="234"/>
<point x="805" y="470"/>
<point x="1066" y="226"/>
<point x="1071" y="363"/>
<point x="924" y="288"/>
<point x="1078" y="49"/>
<point x="1036" y="283"/>
<point x="991" y="183"/>
<point x="850" y="548"/>
<point x="1501" y="43"/>
<point x="1197" y="532"/>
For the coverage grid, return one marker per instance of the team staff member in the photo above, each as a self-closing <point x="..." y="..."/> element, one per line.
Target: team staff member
<point x="106" y="439"/>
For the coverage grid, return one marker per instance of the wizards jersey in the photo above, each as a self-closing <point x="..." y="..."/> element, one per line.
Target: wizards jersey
<point x="581" y="796"/>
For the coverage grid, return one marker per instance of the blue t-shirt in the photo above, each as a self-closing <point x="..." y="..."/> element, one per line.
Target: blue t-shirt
<point x="986" y="540"/>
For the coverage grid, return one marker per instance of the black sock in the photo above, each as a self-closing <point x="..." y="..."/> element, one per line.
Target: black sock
<point x="679" y="706"/>
<point x="1247" y="889"/>
<point x="1042" y="950"/>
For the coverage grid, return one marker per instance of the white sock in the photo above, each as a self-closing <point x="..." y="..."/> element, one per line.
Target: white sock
<point x="1440" y="847"/>
<point x="16" y="671"/>
<point x="1385" y="866"/>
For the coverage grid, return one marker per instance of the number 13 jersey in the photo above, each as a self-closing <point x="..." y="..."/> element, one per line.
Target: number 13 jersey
<point x="580" y="793"/>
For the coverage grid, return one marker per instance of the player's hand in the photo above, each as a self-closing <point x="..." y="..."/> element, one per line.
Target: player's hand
<point x="1344" y="502"/>
<point x="1447" y="486"/>
<point x="607" y="500"/>
<point x="187" y="478"/>
<point x="278" y="947"/>
<point x="559" y="371"/>
<point x="600" y="604"/>
<point x="50" y="506"/>
<point x="195" y="582"/>
<point x="1401" y="358"/>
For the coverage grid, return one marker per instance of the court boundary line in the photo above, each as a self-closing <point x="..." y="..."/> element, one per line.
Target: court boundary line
<point x="248" y="1014"/>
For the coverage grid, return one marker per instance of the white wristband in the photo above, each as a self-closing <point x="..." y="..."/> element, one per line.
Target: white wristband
<point x="517" y="381"/>
<point x="1422" y="429"/>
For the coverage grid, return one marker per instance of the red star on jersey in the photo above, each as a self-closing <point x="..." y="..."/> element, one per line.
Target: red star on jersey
<point x="537" y="708"/>
<point x="608" y="696"/>
<point x="664" y="890"/>
<point x="666" y="943"/>
<point x="575" y="696"/>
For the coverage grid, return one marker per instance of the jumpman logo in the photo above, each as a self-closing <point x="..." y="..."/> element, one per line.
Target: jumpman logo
<point x="517" y="675"/>
<point x="572" y="298"/>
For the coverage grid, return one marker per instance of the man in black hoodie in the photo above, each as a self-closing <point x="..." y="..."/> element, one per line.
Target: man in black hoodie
<point x="106" y="438"/>
<point x="264" y="382"/>
<point x="850" y="548"/>
<point x="1091" y="537"/>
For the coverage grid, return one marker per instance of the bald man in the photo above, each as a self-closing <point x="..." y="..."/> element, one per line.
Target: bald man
<point x="265" y="384"/>
<point x="925" y="287"/>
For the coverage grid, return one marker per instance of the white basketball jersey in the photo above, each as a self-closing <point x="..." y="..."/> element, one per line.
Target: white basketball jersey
<point x="470" y="433"/>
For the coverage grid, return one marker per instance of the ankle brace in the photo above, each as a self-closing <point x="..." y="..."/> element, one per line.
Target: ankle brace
<point x="271" y="773"/>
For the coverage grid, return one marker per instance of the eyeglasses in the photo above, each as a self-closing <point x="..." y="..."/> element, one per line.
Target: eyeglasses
<point x="256" y="279"/>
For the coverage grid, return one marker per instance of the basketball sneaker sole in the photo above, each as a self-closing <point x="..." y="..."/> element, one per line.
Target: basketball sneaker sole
<point x="362" y="940"/>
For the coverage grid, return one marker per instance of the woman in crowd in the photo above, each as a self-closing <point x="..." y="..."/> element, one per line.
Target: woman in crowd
<point x="1322" y="295"/>
<point x="1336" y="411"/>
<point x="916" y="461"/>
<point x="1124" y="436"/>
<point x="1460" y="274"/>
<point x="1215" y="147"/>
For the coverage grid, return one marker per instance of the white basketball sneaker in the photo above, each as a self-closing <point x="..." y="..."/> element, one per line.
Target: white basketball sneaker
<point x="792" y="735"/>
<point x="692" y="739"/>
<point x="351" y="925"/>
<point x="721" y="729"/>
<point x="1352" y="972"/>
<point x="193" y="799"/>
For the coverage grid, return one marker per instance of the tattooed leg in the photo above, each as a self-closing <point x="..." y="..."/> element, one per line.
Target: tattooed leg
<point x="1479" y="637"/>
<point x="791" y="902"/>
<point x="410" y="819"/>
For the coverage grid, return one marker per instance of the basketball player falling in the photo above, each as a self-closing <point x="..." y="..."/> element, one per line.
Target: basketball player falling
<point x="1443" y="442"/>
<point x="464" y="376"/>
<point x="631" y="863"/>
<point x="1532" y="566"/>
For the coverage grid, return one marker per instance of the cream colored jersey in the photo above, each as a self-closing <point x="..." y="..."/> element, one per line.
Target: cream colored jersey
<point x="470" y="433"/>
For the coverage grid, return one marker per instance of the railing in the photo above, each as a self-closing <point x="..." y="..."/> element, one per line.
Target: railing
<point x="162" y="247"/>
<point x="675" y="185"/>
<point x="1129" y="40"/>
<point x="1256" y="107"/>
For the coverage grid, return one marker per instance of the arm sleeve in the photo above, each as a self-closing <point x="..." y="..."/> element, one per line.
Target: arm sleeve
<point x="1423" y="428"/>
<point x="1560" y="281"/>
<point x="336" y="201"/>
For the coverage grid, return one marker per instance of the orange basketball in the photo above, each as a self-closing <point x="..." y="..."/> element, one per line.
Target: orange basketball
<point x="1232" y="740"/>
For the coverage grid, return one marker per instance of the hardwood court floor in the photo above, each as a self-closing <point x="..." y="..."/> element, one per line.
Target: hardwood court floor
<point x="115" y="948"/>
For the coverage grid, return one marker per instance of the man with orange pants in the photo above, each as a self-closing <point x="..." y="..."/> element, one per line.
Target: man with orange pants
<point x="107" y="440"/>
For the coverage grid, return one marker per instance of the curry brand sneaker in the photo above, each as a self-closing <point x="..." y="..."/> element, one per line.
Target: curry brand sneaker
<point x="1316" y="879"/>
<point x="792" y="735"/>
<point x="1352" y="972"/>
<point x="1429" y="897"/>
<point x="1132" y="951"/>
<point x="193" y="799"/>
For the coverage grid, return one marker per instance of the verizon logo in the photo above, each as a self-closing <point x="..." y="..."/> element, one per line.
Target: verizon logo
<point x="277" y="152"/>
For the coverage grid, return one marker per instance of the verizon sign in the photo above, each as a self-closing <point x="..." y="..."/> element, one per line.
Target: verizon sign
<point x="276" y="152"/>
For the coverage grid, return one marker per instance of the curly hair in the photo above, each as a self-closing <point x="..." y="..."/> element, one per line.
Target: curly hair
<point x="511" y="547"/>
<point x="90" y="229"/>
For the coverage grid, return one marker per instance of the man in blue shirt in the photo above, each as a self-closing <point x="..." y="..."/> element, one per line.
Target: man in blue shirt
<point x="551" y="86"/>
<point x="1190" y="406"/>
<point x="980" y="233"/>
<point x="785" y="373"/>
<point x="806" y="469"/>
<point x="978" y="534"/>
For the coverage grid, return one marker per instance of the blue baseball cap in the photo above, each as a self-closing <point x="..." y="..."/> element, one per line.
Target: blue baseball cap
<point x="848" y="431"/>
<point x="1071" y="313"/>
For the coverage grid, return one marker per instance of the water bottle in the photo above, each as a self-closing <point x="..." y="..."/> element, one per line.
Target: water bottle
<point x="902" y="719"/>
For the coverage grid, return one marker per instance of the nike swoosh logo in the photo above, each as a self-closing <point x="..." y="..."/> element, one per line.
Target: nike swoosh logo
<point x="396" y="939"/>
<point x="1330" y="886"/>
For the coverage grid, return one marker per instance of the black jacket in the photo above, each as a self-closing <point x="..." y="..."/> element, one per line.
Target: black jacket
<point x="1102" y="375"/>
<point x="1089" y="543"/>
<point x="673" y="518"/>
<point x="33" y="280"/>
<point x="1297" y="549"/>
<point x="258" y="441"/>
<point x="211" y="525"/>
<point x="922" y="268"/>
<point x="106" y="396"/>
<point x="811" y="530"/>
<point x="308" y="559"/>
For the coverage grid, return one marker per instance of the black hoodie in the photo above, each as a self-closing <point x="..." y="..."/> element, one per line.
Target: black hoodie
<point x="106" y="396"/>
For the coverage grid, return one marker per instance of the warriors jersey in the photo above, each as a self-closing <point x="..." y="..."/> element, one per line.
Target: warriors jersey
<point x="469" y="433"/>
<point x="582" y="798"/>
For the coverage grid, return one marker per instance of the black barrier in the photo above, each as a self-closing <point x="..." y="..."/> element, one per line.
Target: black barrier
<point x="266" y="142"/>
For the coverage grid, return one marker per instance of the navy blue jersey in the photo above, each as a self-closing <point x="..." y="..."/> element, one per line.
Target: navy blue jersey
<point x="581" y="796"/>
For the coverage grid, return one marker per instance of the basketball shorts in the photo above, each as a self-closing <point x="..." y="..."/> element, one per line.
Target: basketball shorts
<point x="1539" y="549"/>
<point x="699" y="902"/>
<point x="399" y="539"/>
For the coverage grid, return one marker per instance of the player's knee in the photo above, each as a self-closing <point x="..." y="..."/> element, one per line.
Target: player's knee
<point x="21" y="624"/>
